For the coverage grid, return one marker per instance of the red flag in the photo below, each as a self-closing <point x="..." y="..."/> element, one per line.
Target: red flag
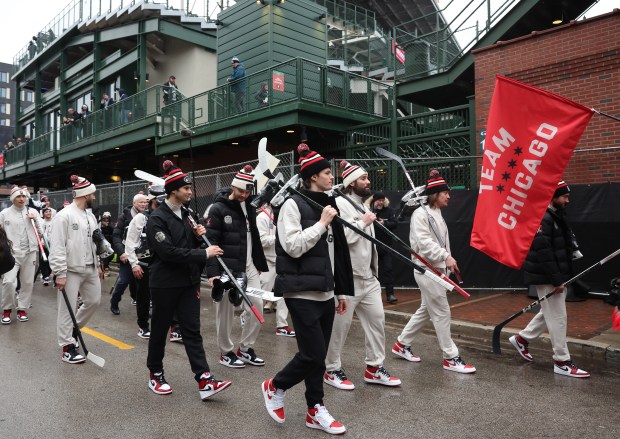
<point x="530" y="137"/>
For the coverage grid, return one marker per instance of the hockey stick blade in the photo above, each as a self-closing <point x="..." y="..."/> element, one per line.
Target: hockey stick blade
<point x="142" y="175"/>
<point x="95" y="359"/>
<point x="262" y="155"/>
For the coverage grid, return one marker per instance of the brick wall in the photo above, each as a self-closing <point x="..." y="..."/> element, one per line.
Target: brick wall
<point x="580" y="61"/>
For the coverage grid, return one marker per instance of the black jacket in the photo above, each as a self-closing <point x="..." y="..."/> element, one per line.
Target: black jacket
<point x="226" y="227"/>
<point x="549" y="261"/>
<point x="177" y="259"/>
<point x="388" y="216"/>
<point x="118" y="235"/>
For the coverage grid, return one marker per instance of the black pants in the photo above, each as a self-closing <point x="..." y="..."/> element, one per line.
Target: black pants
<point x="186" y="303"/>
<point x="143" y="299"/>
<point x="125" y="277"/>
<point x="313" y="323"/>
<point x="386" y="275"/>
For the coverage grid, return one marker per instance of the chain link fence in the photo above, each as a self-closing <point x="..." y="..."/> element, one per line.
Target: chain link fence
<point x="114" y="197"/>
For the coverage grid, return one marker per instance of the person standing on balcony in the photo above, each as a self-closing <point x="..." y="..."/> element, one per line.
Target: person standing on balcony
<point x="106" y="118"/>
<point x="86" y="122"/>
<point x="125" y="275"/>
<point x="125" y="113"/>
<point x="16" y="221"/>
<point x="262" y="97"/>
<point x="231" y="224"/>
<point x="170" y="90"/>
<point x="379" y="204"/>
<point x="238" y="86"/>
<point x="429" y="238"/>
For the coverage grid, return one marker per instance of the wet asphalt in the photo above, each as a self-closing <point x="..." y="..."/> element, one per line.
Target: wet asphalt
<point x="43" y="397"/>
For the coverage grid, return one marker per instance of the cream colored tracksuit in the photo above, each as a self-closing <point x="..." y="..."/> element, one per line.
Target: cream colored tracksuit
<point x="73" y="255"/>
<point x="20" y="232"/>
<point x="267" y="231"/>
<point x="434" y="306"/>
<point x="366" y="303"/>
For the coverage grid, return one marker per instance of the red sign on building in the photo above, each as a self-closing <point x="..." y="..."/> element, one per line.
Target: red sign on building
<point x="1" y="161"/>
<point x="277" y="80"/>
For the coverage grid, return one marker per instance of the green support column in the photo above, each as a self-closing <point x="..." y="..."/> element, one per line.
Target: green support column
<point x="394" y="168"/>
<point x="473" y="144"/>
<point x="141" y="58"/>
<point x="96" y="94"/>
<point x="38" y="118"/>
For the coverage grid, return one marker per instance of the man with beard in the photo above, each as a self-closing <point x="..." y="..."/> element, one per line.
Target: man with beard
<point x="366" y="303"/>
<point x="231" y="224"/>
<point x="74" y="262"/>
<point x="547" y="266"/>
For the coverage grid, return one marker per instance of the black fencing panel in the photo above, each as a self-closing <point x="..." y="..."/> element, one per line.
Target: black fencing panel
<point x="593" y="214"/>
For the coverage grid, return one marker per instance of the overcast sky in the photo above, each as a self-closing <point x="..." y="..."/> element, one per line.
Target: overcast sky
<point x="25" y="18"/>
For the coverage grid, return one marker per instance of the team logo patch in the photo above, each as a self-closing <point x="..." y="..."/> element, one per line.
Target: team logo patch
<point x="73" y="193"/>
<point x="186" y="179"/>
<point x="160" y="237"/>
<point x="75" y="226"/>
<point x="228" y="219"/>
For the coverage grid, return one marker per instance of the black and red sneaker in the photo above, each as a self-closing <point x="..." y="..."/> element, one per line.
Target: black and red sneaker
<point x="71" y="355"/>
<point x="520" y="345"/>
<point x="158" y="383"/>
<point x="209" y="386"/>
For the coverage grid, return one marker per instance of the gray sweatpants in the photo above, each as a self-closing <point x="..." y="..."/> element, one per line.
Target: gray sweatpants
<point x="26" y="265"/>
<point x="552" y="317"/>
<point x="368" y="307"/>
<point x="89" y="287"/>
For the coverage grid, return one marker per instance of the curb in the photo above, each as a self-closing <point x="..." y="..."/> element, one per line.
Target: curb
<point x="477" y="336"/>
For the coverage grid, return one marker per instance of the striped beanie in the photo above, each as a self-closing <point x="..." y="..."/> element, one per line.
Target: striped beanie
<point x="81" y="186"/>
<point x="16" y="191"/>
<point x="435" y="183"/>
<point x="350" y="172"/>
<point x="311" y="162"/>
<point x="561" y="189"/>
<point x="175" y="178"/>
<point x="244" y="179"/>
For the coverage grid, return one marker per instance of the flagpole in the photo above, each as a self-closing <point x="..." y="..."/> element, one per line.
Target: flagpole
<point x="605" y="114"/>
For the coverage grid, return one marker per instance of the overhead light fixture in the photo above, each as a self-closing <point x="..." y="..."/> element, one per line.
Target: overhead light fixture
<point x="235" y="143"/>
<point x="260" y="2"/>
<point x="136" y="75"/>
<point x="290" y="131"/>
<point x="118" y="147"/>
<point x="559" y="20"/>
<point x="146" y="77"/>
<point x="176" y="156"/>
<point x="280" y="1"/>
<point x="115" y="178"/>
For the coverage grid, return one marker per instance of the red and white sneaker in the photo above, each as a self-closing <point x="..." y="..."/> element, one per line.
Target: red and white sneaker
<point x="457" y="364"/>
<point x="378" y="375"/>
<point x="286" y="331"/>
<point x="22" y="316"/>
<point x="338" y="379"/>
<point x="320" y="419"/>
<point x="209" y="386"/>
<point x="274" y="400"/>
<point x="520" y="345"/>
<point x="158" y="384"/>
<point x="6" y="317"/>
<point x="405" y="352"/>
<point x="568" y="369"/>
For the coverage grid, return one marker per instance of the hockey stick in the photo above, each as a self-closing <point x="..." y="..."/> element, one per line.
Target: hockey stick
<point x="115" y="282"/>
<point x="36" y="233"/>
<point x="142" y="175"/>
<point x="232" y="278"/>
<point x="458" y="289"/>
<point x="396" y="158"/>
<point x="498" y="329"/>
<point x="89" y="355"/>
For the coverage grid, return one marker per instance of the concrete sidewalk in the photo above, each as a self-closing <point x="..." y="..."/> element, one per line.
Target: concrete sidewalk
<point x="590" y="336"/>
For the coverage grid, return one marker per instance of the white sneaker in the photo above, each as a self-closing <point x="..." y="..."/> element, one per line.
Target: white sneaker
<point x="380" y="376"/>
<point x="405" y="352"/>
<point x="567" y="368"/>
<point x="457" y="364"/>
<point x="320" y="419"/>
<point x="520" y="344"/>
<point x="338" y="379"/>
<point x="274" y="401"/>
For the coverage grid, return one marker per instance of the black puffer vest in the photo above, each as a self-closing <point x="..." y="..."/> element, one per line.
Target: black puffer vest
<point x="312" y="271"/>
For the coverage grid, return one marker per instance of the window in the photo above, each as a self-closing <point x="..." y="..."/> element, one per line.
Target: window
<point x="3" y="109"/>
<point x="3" y="92"/>
<point x="27" y="96"/>
<point x="4" y="77"/>
<point x="5" y="122"/>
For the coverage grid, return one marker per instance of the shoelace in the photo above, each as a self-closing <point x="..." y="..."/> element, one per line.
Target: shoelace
<point x="340" y="374"/>
<point x="160" y="378"/>
<point x="458" y="361"/>
<point x="408" y="349"/>
<point x="323" y="416"/>
<point x="383" y="372"/>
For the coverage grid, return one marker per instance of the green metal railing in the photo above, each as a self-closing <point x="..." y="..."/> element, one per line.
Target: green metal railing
<point x="128" y="111"/>
<point x="458" y="27"/>
<point x="350" y="13"/>
<point x="294" y="80"/>
<point x="439" y="139"/>
<point x="83" y="10"/>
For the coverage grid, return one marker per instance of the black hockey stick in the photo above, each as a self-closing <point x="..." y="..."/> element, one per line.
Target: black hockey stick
<point x="498" y="329"/>
<point x="458" y="289"/>
<point x="89" y="355"/>
<point x="232" y="278"/>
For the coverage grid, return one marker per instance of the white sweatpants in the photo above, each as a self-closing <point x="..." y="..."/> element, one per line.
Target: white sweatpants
<point x="552" y="317"/>
<point x="267" y="281"/>
<point x="224" y="316"/>
<point x="434" y="307"/>
<point x="368" y="307"/>
<point x="89" y="287"/>
<point x="26" y="265"/>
